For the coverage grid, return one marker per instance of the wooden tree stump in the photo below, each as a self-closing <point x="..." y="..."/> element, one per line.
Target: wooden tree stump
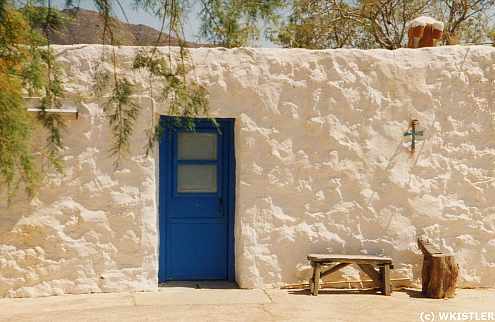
<point x="440" y="272"/>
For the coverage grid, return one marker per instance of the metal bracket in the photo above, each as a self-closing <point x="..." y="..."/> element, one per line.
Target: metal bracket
<point x="55" y="110"/>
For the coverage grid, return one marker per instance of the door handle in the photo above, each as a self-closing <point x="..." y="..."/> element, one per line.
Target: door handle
<point x="220" y="206"/>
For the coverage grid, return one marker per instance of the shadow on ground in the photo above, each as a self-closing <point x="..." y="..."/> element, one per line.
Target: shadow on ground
<point x="413" y="293"/>
<point x="216" y="285"/>
<point x="335" y="291"/>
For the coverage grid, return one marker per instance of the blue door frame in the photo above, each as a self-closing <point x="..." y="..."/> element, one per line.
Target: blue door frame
<point x="191" y="224"/>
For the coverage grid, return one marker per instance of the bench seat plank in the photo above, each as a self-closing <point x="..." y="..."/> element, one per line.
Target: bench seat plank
<point x="353" y="259"/>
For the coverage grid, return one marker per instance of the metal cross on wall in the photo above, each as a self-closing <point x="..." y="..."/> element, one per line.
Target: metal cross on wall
<point x="414" y="134"/>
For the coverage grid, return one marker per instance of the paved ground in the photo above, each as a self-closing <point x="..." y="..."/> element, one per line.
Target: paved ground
<point x="186" y="303"/>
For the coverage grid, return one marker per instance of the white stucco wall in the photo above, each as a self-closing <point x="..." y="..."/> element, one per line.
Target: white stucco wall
<point x="321" y="166"/>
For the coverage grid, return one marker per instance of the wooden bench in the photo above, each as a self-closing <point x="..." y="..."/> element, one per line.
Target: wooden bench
<point x="367" y="263"/>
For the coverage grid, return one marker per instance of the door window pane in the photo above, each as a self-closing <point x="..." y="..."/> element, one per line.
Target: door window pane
<point x="197" y="146"/>
<point x="197" y="178"/>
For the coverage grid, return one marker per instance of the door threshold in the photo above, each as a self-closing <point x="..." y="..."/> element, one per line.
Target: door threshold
<point x="200" y="284"/>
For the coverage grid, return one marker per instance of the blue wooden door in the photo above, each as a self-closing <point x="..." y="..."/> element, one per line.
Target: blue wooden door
<point x="196" y="201"/>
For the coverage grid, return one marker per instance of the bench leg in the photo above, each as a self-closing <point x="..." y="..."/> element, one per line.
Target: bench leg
<point x="312" y="278"/>
<point x="385" y="279"/>
<point x="316" y="279"/>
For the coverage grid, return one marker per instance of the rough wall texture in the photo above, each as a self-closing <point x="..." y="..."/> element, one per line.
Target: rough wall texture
<point x="321" y="166"/>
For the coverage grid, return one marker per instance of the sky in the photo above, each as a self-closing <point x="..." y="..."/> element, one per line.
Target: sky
<point x="191" y="25"/>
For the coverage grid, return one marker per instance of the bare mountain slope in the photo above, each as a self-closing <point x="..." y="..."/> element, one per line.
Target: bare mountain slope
<point x="86" y="27"/>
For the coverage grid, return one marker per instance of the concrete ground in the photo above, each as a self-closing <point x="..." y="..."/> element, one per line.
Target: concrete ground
<point x="221" y="303"/>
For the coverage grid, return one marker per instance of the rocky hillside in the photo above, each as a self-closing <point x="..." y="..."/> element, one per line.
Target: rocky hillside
<point x="86" y="27"/>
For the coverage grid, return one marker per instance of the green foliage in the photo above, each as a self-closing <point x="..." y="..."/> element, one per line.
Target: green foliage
<point x="46" y="17"/>
<point x="319" y="24"/>
<point x="185" y="98"/>
<point x="3" y="5"/>
<point x="491" y="35"/>
<point x="232" y="23"/>
<point x="24" y="66"/>
<point x="466" y="21"/>
<point x="28" y="66"/>
<point x="52" y="122"/>
<point x="17" y="162"/>
<point x="122" y="114"/>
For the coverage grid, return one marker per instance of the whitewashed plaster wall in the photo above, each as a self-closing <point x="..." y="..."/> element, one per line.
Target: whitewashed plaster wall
<point x="322" y="166"/>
